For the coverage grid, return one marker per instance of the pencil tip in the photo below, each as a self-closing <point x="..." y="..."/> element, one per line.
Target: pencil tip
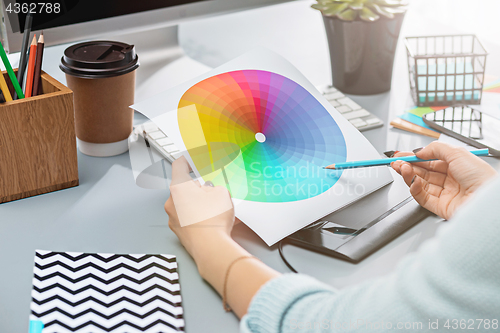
<point x="40" y="40"/>
<point x="33" y="42"/>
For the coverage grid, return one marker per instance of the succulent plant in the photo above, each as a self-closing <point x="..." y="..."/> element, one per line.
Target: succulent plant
<point x="366" y="10"/>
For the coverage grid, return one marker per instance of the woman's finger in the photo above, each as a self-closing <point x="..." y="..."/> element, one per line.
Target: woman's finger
<point x="432" y="177"/>
<point x="442" y="151"/>
<point x="180" y="171"/>
<point x="411" y="173"/>
<point x="403" y="153"/>
<point x="436" y="166"/>
<point x="396" y="166"/>
<point x="407" y="173"/>
<point x="424" y="198"/>
<point x="169" y="206"/>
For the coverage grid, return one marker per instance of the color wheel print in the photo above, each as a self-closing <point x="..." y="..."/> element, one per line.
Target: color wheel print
<point x="262" y="135"/>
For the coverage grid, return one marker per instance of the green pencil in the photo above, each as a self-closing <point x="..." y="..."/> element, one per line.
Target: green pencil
<point x="12" y="76"/>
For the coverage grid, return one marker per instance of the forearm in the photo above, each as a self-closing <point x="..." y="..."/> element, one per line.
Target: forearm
<point x="452" y="276"/>
<point x="245" y="277"/>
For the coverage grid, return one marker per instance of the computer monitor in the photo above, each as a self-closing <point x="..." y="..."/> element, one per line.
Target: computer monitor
<point x="91" y="19"/>
<point x="150" y="25"/>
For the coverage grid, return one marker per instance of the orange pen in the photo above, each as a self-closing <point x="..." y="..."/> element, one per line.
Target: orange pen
<point x="31" y="68"/>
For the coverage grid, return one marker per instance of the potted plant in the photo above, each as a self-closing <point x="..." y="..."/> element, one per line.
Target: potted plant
<point x="362" y="37"/>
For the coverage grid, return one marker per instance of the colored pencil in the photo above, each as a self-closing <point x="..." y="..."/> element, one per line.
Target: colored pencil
<point x="388" y="161"/>
<point x="37" y="87"/>
<point x="2" y="99"/>
<point x="31" y="68"/>
<point x="5" y="88"/>
<point x="12" y="76"/>
<point x="410" y="127"/>
<point x="26" y="71"/>
<point x="23" y="60"/>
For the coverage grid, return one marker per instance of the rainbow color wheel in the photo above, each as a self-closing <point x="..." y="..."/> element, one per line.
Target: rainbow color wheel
<point x="262" y="135"/>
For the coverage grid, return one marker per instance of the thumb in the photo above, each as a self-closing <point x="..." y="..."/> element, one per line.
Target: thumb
<point x="441" y="151"/>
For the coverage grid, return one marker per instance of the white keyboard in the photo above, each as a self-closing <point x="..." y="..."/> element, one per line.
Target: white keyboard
<point x="155" y="138"/>
<point x="359" y="117"/>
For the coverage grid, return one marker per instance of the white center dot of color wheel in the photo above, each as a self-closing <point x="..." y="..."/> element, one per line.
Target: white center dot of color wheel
<point x="260" y="137"/>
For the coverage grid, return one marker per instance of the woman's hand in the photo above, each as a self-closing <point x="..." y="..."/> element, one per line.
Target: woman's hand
<point x="202" y="217"/>
<point x="198" y="215"/>
<point x="444" y="185"/>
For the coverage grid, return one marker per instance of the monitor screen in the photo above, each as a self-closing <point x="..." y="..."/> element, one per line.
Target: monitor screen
<point x="66" y="21"/>
<point x="64" y="12"/>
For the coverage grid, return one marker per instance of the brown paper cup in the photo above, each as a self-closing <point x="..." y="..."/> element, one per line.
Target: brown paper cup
<point x="102" y="77"/>
<point x="103" y="115"/>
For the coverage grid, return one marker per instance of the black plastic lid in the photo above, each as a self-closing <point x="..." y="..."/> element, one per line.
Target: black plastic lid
<point x="99" y="59"/>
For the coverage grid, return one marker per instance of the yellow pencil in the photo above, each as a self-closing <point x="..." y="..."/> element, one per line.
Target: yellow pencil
<point x="5" y="88"/>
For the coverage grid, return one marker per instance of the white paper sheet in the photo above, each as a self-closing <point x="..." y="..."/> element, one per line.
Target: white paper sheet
<point x="273" y="221"/>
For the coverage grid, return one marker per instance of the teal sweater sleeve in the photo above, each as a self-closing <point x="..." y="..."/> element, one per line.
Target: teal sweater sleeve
<point x="452" y="279"/>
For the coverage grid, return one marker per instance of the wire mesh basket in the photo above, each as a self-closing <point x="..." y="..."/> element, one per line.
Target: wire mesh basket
<point x="446" y="70"/>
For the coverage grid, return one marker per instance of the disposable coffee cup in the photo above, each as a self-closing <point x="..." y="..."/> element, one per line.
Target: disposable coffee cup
<point x="102" y="77"/>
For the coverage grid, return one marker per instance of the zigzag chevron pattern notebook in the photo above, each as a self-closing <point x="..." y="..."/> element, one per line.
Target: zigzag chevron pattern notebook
<point x="89" y="292"/>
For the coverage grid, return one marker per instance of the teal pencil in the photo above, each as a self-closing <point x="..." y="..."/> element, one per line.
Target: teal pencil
<point x="12" y="76"/>
<point x="388" y="161"/>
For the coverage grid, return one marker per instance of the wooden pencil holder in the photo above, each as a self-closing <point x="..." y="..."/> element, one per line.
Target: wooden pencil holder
<point x="37" y="142"/>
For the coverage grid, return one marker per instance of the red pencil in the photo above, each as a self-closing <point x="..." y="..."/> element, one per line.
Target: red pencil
<point x="37" y="82"/>
<point x="31" y="68"/>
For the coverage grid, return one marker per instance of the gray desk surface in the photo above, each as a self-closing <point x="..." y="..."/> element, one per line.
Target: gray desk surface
<point x="109" y="213"/>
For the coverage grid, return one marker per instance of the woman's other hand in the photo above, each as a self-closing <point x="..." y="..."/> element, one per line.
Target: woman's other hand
<point x="198" y="215"/>
<point x="203" y="217"/>
<point x="444" y="185"/>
